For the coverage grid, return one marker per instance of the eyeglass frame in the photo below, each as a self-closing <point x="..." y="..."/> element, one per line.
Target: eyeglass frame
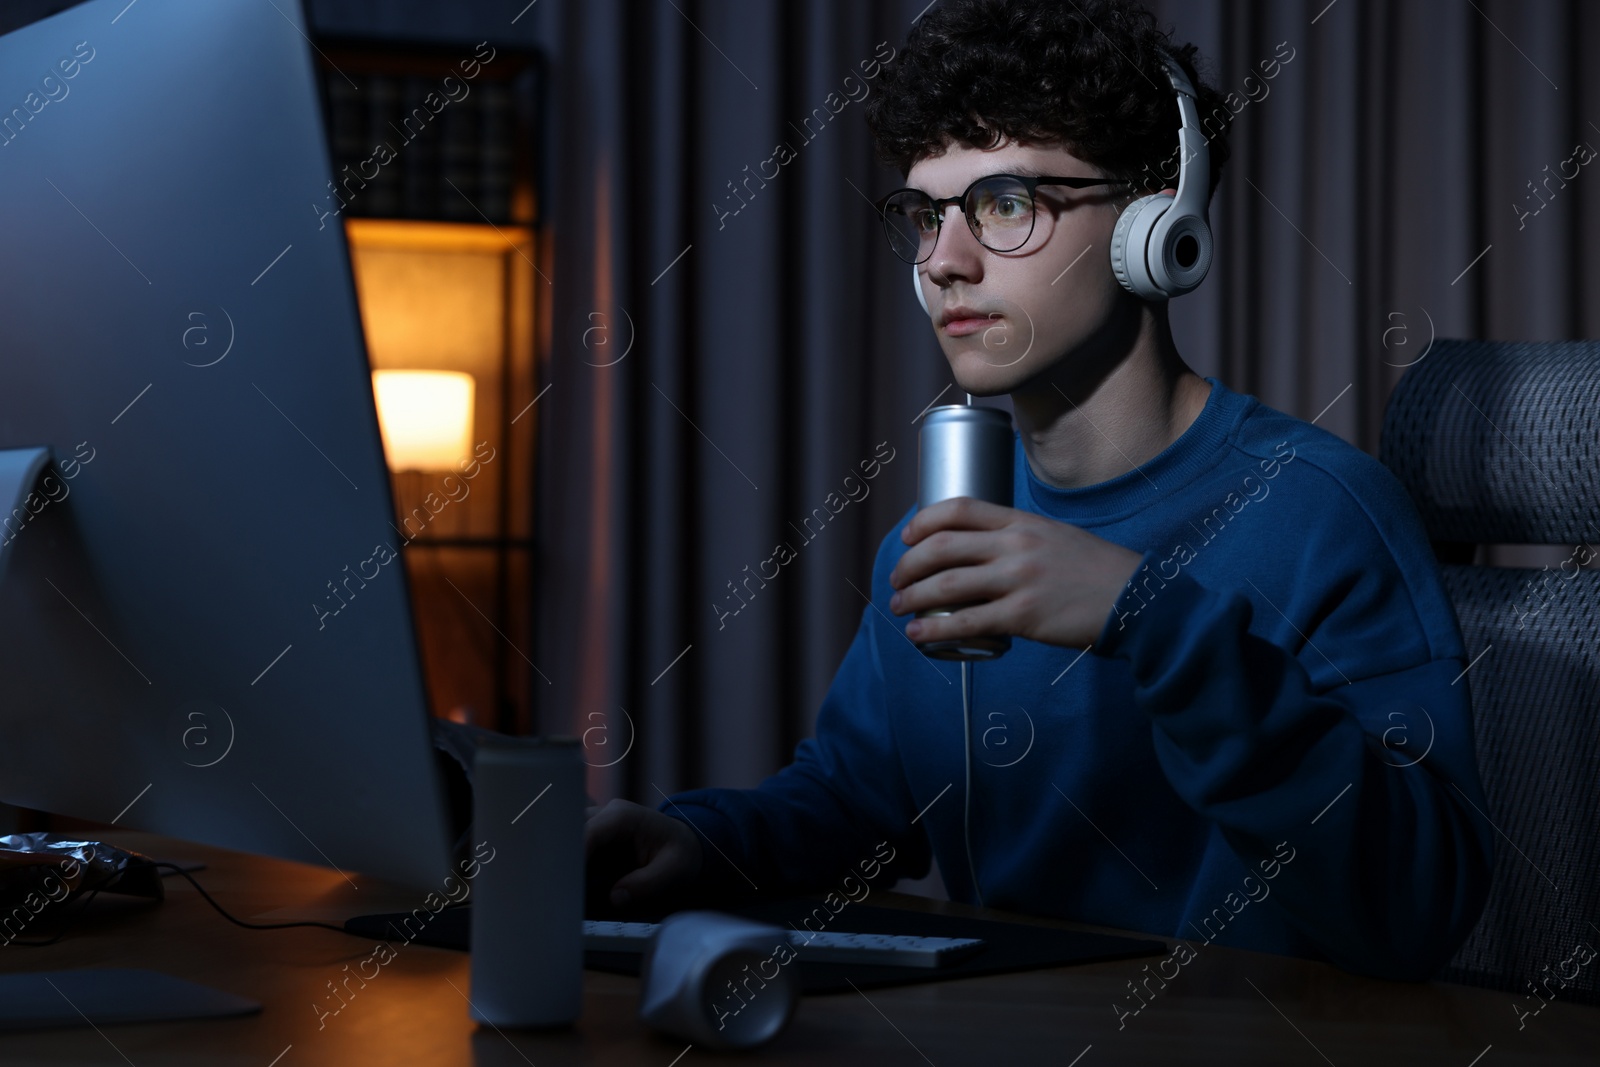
<point x="1029" y="182"/>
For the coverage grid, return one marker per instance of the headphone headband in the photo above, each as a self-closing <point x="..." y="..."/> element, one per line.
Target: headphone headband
<point x="1162" y="244"/>
<point x="1194" y="183"/>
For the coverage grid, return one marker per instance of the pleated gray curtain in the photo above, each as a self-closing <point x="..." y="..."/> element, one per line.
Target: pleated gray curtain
<point x="730" y="339"/>
<point x="1370" y="175"/>
<point x="775" y="349"/>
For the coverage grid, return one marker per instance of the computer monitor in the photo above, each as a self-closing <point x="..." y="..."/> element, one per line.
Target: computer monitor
<point x="180" y="330"/>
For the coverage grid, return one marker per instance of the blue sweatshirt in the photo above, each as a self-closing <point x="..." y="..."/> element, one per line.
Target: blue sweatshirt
<point x="1268" y="746"/>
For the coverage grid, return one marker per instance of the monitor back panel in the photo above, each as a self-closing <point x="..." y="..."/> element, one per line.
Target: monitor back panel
<point x="205" y="631"/>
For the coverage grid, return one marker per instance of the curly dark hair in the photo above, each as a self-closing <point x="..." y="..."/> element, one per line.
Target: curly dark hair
<point x="1084" y="74"/>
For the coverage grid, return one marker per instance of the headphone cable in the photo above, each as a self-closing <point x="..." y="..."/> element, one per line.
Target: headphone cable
<point x="966" y="813"/>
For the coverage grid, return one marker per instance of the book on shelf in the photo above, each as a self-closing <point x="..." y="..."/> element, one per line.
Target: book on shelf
<point x="402" y="148"/>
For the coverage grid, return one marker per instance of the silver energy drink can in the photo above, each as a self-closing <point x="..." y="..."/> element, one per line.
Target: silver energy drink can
<point x="964" y="451"/>
<point x="527" y="911"/>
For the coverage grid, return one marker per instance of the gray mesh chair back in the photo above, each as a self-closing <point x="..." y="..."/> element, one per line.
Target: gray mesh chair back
<point x="1499" y="443"/>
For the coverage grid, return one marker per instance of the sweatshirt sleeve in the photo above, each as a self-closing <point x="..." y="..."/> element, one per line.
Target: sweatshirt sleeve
<point x="842" y="807"/>
<point x="1355" y="749"/>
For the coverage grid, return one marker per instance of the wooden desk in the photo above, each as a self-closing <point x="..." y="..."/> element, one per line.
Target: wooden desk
<point x="1225" y="1007"/>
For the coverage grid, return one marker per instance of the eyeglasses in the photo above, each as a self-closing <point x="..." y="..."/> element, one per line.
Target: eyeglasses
<point x="1000" y="211"/>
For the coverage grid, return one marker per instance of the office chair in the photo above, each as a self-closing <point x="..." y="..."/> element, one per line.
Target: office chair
<point x="1499" y="443"/>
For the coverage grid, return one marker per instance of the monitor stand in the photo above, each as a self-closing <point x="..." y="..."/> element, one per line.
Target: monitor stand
<point x="101" y="996"/>
<point x="92" y="996"/>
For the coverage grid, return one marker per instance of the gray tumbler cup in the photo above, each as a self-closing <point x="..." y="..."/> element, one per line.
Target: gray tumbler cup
<point x="527" y="908"/>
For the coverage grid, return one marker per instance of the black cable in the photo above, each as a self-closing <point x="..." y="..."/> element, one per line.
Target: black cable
<point x="240" y="922"/>
<point x="68" y="922"/>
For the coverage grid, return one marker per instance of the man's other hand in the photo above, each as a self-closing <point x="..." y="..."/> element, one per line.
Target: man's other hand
<point x="635" y="854"/>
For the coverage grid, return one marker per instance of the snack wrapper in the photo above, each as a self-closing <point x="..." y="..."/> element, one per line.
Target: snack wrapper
<point x="56" y="867"/>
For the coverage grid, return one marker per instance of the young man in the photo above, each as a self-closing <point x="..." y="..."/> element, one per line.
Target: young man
<point x="1235" y="710"/>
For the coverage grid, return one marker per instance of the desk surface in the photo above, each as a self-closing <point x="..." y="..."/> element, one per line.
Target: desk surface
<point x="1225" y="1006"/>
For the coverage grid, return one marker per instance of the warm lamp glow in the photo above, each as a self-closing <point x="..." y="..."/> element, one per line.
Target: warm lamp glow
<point x="426" y="417"/>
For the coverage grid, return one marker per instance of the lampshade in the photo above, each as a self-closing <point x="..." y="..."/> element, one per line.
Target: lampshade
<point x="426" y="417"/>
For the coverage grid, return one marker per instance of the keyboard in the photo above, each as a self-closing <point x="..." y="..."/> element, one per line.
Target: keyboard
<point x="893" y="950"/>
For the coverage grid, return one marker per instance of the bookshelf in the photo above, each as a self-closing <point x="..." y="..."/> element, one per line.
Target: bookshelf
<point x="434" y="180"/>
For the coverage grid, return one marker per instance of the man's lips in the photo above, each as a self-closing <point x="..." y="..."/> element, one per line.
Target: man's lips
<point x="961" y="321"/>
<point x="963" y="327"/>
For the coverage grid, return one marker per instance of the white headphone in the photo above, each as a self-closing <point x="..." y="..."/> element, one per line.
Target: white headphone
<point x="1168" y="237"/>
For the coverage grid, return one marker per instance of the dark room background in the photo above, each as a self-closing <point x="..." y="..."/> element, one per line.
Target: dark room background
<point x="720" y="353"/>
<point x="1373" y="198"/>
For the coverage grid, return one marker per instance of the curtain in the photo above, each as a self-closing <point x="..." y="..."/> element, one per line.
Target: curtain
<point x="729" y="337"/>
<point x="775" y="349"/>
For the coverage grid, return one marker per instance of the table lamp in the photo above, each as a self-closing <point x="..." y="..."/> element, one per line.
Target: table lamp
<point x="425" y="416"/>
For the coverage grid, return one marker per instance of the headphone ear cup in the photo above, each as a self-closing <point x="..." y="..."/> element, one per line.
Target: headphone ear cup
<point x="1130" y="243"/>
<point x="916" y="283"/>
<point x="1182" y="249"/>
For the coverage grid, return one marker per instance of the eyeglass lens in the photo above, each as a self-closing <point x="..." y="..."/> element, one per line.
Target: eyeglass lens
<point x="999" y="212"/>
